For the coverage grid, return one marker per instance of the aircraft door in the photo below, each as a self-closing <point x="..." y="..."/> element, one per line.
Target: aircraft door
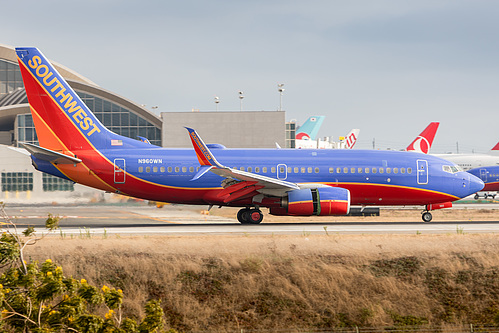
<point x="119" y="170"/>
<point x="282" y="171"/>
<point x="422" y="171"/>
<point x="483" y="175"/>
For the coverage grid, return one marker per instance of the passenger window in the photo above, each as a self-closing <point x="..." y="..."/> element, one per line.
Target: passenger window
<point x="177" y="169"/>
<point x="257" y="169"/>
<point x="366" y="170"/>
<point x="264" y="169"/>
<point x="184" y="169"/>
<point x="272" y="170"/>
<point x="316" y="170"/>
<point x="338" y="170"/>
<point x="141" y="169"/>
<point x="388" y="170"/>
<point x="395" y="170"/>
<point x="345" y="170"/>
<point x="290" y="170"/>
<point x="297" y="169"/>
<point x="359" y="170"/>
<point x="170" y="169"/>
<point x="331" y="170"/>
<point x="191" y="169"/>
<point x="241" y="168"/>
<point x="352" y="170"/>
<point x="250" y="169"/>
<point x="148" y="169"/>
<point x="402" y="170"/>
<point x="302" y="170"/>
<point x="409" y="170"/>
<point x="374" y="170"/>
<point x="162" y="169"/>
<point x="154" y="169"/>
<point x="381" y="170"/>
<point x="281" y="169"/>
<point x="309" y="169"/>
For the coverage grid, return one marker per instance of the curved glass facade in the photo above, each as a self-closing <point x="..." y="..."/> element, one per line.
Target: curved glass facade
<point x="10" y="77"/>
<point x="126" y="121"/>
<point x="116" y="118"/>
<point x="120" y="120"/>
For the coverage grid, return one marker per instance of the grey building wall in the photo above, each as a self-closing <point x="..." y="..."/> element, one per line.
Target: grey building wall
<point x="246" y="129"/>
<point x="16" y="162"/>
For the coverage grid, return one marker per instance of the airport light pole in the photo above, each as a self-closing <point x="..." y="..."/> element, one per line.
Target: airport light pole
<point x="241" y="96"/>
<point x="217" y="100"/>
<point x="281" y="91"/>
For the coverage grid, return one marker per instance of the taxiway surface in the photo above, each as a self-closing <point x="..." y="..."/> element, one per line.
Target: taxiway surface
<point x="185" y="220"/>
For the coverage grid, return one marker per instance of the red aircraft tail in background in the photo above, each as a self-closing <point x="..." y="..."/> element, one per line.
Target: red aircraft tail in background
<point x="423" y="142"/>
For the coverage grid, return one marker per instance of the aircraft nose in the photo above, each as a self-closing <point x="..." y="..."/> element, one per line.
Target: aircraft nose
<point x="476" y="184"/>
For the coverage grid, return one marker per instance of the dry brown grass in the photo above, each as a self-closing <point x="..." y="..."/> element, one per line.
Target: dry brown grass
<point x="293" y="282"/>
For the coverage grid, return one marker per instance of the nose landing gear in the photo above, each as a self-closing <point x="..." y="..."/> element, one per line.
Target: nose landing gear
<point x="426" y="216"/>
<point x="250" y="216"/>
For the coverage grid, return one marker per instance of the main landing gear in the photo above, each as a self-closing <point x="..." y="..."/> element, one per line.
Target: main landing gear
<point x="250" y="216"/>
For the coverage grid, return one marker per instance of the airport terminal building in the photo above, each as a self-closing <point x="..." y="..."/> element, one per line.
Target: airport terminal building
<point x="20" y="181"/>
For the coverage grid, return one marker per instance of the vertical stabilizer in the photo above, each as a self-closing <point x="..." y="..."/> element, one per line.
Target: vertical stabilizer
<point x="351" y="138"/>
<point x="309" y="130"/>
<point x="423" y="142"/>
<point x="62" y="121"/>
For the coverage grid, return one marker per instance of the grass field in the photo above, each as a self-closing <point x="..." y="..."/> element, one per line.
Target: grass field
<point x="222" y="283"/>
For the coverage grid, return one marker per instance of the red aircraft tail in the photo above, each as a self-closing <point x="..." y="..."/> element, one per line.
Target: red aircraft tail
<point x="423" y="142"/>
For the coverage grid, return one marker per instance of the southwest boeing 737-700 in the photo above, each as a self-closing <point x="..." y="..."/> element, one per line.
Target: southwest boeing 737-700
<point x="74" y="145"/>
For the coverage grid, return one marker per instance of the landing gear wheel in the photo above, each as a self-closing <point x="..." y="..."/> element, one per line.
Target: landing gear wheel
<point x="254" y="216"/>
<point x="241" y="216"/>
<point x="249" y="216"/>
<point x="477" y="196"/>
<point x="426" y="217"/>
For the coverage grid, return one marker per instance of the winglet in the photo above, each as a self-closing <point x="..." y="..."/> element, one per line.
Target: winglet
<point x="203" y="154"/>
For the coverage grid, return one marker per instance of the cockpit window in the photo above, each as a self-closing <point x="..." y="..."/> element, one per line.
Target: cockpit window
<point x="451" y="168"/>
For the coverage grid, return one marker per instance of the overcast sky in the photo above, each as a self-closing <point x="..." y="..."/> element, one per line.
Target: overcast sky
<point x="386" y="67"/>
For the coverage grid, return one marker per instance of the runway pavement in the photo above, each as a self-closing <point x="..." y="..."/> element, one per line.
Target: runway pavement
<point x="140" y="219"/>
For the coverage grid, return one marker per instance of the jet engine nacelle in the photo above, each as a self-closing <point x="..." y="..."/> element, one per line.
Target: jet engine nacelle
<point x="317" y="201"/>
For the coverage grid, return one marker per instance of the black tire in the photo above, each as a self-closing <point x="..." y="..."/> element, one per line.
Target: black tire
<point x="426" y="217"/>
<point x="477" y="196"/>
<point x="242" y="216"/>
<point x="254" y="216"/>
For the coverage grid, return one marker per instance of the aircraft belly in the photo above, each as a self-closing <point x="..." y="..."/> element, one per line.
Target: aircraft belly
<point x="382" y="195"/>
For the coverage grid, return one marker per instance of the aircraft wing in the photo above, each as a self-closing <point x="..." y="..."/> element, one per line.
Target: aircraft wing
<point x="49" y="155"/>
<point x="250" y="184"/>
<point x="267" y="182"/>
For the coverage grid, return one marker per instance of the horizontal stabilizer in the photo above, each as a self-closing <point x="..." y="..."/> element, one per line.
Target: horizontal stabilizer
<point x="49" y="155"/>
